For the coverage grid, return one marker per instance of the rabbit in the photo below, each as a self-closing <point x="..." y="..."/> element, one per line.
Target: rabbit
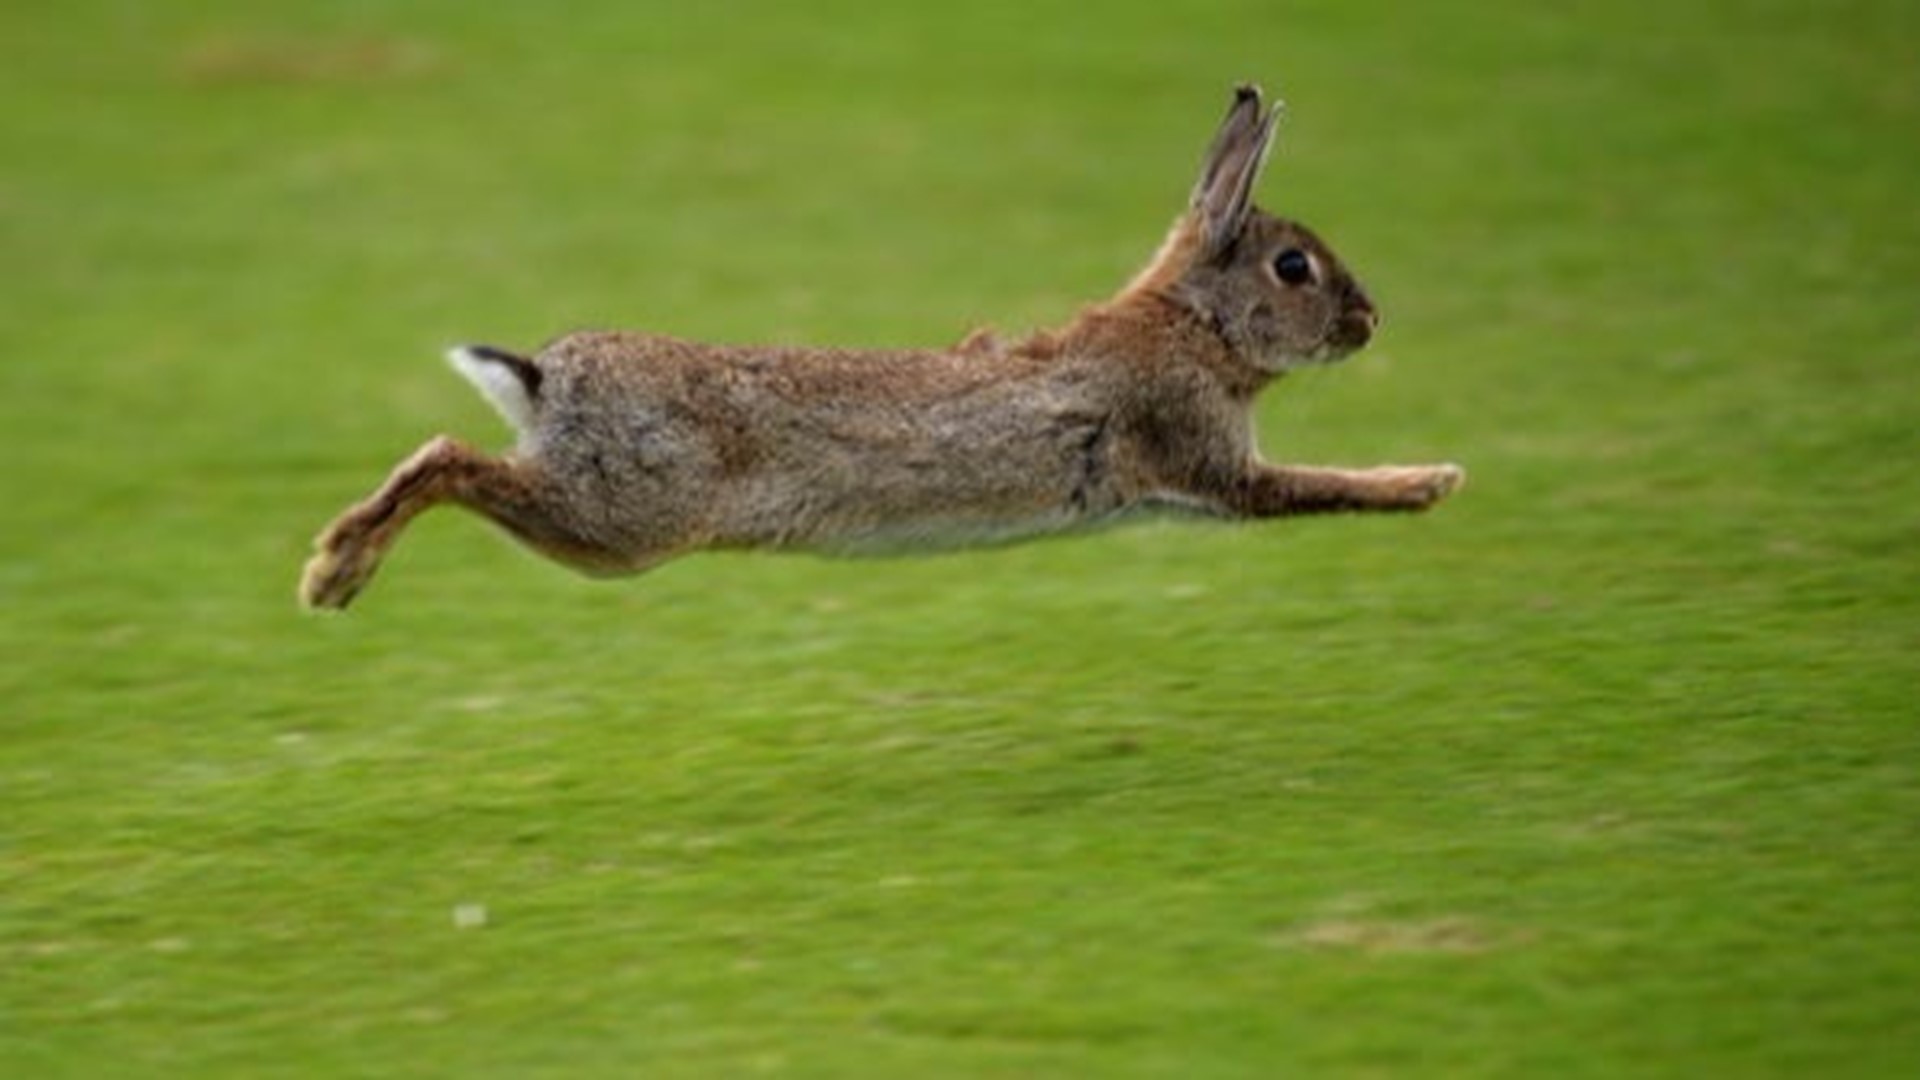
<point x="635" y="448"/>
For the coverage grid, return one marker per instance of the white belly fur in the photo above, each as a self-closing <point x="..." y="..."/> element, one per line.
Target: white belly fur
<point x="933" y="535"/>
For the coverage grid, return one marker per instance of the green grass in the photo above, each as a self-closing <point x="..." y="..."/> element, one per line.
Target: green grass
<point x="1607" y="768"/>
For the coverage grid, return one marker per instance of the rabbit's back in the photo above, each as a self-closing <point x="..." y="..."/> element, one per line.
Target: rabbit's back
<point x="831" y="449"/>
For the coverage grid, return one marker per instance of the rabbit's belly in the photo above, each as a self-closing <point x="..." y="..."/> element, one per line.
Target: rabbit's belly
<point x="932" y="534"/>
<point x="936" y="534"/>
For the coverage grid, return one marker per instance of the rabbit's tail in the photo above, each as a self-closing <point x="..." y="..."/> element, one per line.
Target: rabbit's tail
<point x="509" y="382"/>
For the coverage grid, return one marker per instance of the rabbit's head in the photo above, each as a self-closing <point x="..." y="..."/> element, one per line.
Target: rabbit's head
<point x="1273" y="291"/>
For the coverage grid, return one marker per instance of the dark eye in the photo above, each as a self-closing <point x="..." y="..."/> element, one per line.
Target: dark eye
<point x="1293" y="266"/>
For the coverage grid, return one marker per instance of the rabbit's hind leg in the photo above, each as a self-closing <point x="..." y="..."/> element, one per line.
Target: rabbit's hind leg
<point x="349" y="550"/>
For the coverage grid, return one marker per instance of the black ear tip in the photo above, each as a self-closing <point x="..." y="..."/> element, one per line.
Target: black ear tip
<point x="1246" y="92"/>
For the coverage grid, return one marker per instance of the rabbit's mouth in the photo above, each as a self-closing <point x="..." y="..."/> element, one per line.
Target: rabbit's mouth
<point x="1346" y="336"/>
<point x="1352" y="331"/>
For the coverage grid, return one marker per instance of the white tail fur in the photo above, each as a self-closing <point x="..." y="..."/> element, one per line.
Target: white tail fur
<point x="499" y="380"/>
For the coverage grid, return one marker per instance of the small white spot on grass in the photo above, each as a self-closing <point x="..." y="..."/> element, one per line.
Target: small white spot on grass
<point x="1376" y="936"/>
<point x="469" y="916"/>
<point x="479" y="703"/>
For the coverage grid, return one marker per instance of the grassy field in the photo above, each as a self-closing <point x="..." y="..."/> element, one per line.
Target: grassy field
<point x="1610" y="767"/>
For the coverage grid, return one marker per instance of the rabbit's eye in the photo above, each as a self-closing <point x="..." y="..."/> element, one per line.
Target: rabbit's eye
<point x="1293" y="267"/>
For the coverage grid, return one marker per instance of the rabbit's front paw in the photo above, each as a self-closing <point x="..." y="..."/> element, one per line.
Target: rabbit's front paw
<point x="1416" y="487"/>
<point x="1442" y="481"/>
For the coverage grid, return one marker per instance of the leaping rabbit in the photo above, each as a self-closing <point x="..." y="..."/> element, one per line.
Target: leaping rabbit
<point x="636" y="447"/>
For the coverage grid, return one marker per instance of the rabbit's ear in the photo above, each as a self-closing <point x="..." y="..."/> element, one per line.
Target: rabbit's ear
<point x="1225" y="191"/>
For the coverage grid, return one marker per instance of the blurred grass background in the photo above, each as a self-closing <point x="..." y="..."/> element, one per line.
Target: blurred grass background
<point x="1606" y="768"/>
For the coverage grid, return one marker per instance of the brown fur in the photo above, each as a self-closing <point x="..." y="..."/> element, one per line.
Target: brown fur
<point x="639" y="447"/>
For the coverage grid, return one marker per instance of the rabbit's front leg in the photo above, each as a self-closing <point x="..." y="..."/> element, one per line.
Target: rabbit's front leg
<point x="1282" y="490"/>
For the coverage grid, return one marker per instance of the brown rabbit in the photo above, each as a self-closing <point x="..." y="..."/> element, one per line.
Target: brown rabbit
<point x="635" y="448"/>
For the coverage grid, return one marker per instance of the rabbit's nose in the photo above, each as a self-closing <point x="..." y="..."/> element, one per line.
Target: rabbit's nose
<point x="1358" y="320"/>
<point x="1360" y="306"/>
<point x="1361" y="321"/>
